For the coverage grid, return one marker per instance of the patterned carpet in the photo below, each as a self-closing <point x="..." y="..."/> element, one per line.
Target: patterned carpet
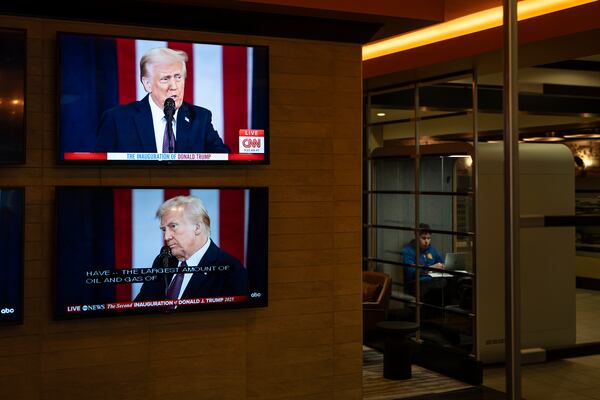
<point x="423" y="381"/>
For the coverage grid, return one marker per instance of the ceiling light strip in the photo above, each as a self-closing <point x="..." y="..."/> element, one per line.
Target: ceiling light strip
<point x="471" y="23"/>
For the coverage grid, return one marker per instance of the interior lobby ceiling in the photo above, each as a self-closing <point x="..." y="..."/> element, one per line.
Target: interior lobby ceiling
<point x="564" y="95"/>
<point x="330" y="20"/>
<point x="555" y="100"/>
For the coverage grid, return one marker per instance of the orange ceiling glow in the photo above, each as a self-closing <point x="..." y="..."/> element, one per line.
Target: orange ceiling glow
<point x="476" y="22"/>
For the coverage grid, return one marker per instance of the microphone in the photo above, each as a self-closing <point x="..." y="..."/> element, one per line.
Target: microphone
<point x="169" y="110"/>
<point x="165" y="255"/>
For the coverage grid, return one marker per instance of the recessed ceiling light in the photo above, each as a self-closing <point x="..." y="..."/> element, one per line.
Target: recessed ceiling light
<point x="380" y="114"/>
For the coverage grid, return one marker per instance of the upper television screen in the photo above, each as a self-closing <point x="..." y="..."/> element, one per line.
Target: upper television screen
<point x="11" y="246"/>
<point x="137" y="250"/>
<point x="12" y="96"/>
<point x="128" y="101"/>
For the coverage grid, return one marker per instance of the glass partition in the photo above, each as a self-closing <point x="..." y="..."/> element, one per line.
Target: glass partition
<point x="409" y="185"/>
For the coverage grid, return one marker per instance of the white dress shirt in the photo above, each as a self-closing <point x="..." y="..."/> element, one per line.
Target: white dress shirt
<point x="193" y="261"/>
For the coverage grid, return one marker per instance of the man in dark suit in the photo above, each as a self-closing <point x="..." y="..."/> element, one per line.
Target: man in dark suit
<point x="141" y="126"/>
<point x="186" y="229"/>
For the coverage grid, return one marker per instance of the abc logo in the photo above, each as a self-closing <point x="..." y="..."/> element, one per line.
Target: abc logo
<point x="7" y="311"/>
<point x="249" y="143"/>
<point x="255" y="294"/>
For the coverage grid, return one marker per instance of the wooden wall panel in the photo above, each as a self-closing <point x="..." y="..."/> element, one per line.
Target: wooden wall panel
<point x="305" y="345"/>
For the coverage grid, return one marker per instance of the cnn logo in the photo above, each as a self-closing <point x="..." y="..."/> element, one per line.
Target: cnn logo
<point x="251" y="144"/>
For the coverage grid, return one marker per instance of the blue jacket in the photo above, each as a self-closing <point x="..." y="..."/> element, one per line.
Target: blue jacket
<point x="427" y="257"/>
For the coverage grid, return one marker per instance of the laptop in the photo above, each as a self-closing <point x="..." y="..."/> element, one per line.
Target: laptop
<point x="457" y="261"/>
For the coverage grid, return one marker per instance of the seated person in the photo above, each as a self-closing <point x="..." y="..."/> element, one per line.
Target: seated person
<point x="428" y="257"/>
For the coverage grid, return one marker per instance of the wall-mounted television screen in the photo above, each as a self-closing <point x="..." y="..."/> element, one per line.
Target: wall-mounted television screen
<point x="12" y="96"/>
<point x="128" y="101"/>
<point x="11" y="246"/>
<point x="140" y="250"/>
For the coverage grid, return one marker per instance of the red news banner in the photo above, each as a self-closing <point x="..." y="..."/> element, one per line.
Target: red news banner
<point x="251" y="148"/>
<point x="133" y="305"/>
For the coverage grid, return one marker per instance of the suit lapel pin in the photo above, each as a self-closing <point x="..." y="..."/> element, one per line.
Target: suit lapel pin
<point x="187" y="119"/>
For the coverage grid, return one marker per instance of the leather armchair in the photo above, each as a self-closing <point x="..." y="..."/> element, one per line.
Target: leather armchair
<point x="377" y="288"/>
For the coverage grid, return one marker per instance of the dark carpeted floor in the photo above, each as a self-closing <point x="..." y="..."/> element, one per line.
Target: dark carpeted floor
<point x="475" y="393"/>
<point x="423" y="381"/>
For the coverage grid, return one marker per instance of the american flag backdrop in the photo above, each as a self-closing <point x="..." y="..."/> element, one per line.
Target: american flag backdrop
<point x="218" y="78"/>
<point x="97" y="73"/>
<point x="138" y="239"/>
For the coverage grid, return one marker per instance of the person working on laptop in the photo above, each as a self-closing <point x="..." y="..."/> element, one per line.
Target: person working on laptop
<point x="428" y="257"/>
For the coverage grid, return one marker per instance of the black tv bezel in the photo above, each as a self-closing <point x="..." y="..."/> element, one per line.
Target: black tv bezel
<point x="264" y="302"/>
<point x="23" y="153"/>
<point x="21" y="300"/>
<point x="197" y="163"/>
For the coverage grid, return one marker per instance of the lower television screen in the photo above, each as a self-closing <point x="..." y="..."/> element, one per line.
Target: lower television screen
<point x="140" y="250"/>
<point x="11" y="246"/>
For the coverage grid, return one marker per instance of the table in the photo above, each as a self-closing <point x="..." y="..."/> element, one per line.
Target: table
<point x="398" y="348"/>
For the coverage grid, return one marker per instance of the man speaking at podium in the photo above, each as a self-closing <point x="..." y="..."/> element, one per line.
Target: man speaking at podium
<point x="186" y="231"/>
<point x="161" y="122"/>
